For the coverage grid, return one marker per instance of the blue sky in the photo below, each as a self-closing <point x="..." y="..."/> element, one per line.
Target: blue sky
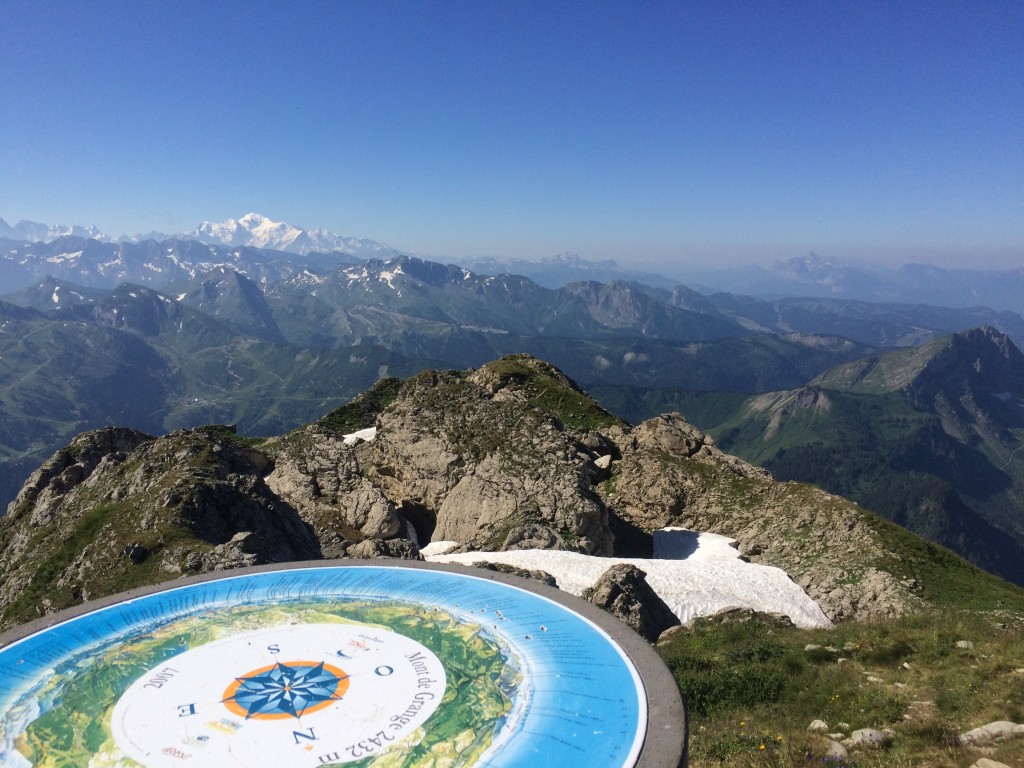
<point x="647" y="132"/>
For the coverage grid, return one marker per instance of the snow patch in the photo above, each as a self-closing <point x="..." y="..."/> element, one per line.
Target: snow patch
<point x="696" y="574"/>
<point x="366" y="435"/>
<point x="62" y="257"/>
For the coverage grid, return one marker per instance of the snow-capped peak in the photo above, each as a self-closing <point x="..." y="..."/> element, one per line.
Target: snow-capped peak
<point x="256" y="230"/>
<point x="252" y="229"/>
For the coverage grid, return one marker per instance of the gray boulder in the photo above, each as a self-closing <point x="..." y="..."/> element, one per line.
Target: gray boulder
<point x="401" y="549"/>
<point x="623" y="591"/>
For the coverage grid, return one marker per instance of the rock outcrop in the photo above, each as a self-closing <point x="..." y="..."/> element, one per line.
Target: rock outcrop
<point x="511" y="456"/>
<point x="671" y="474"/>
<point x="118" y="509"/>
<point x="623" y="591"/>
<point x="484" y="467"/>
<point x="317" y="473"/>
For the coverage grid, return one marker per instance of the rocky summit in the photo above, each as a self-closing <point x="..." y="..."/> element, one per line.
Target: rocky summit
<point x="512" y="455"/>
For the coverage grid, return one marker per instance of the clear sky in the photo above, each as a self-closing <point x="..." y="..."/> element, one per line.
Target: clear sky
<point x="648" y="132"/>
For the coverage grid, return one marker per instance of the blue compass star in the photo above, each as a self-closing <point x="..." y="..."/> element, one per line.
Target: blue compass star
<point x="286" y="689"/>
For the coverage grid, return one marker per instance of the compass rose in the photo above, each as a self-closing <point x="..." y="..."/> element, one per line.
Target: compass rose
<point x="283" y="690"/>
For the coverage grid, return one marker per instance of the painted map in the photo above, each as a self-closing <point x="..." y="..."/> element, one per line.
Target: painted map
<point x="361" y="666"/>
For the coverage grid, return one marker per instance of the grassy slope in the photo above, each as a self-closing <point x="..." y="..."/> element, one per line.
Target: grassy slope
<point x="752" y="689"/>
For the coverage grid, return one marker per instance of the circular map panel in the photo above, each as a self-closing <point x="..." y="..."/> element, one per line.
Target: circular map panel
<point x="316" y="666"/>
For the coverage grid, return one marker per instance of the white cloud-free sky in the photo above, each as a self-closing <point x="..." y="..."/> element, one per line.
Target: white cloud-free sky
<point x="653" y="133"/>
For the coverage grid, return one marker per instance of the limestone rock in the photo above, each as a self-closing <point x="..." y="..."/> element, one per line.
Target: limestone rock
<point x="835" y="750"/>
<point x="671" y="475"/>
<point x="489" y="469"/>
<point x="67" y="468"/>
<point x="992" y="733"/>
<point x="743" y="615"/>
<point x="623" y="591"/>
<point x="318" y="475"/>
<point x="183" y="499"/>
<point x="868" y="738"/>
<point x="401" y="549"/>
<point x="818" y="726"/>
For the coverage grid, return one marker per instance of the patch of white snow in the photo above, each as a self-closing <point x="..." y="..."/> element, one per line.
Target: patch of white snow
<point x="698" y="574"/>
<point x="363" y="434"/>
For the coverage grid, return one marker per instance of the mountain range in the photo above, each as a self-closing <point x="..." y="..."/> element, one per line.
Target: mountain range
<point x="162" y="336"/>
<point x="805" y="276"/>
<point x="222" y="349"/>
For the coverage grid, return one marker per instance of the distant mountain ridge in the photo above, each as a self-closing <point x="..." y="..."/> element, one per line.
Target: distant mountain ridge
<point x="252" y="230"/>
<point x="810" y="276"/>
<point x="34" y="231"/>
<point x="257" y="231"/>
<point x="818" y="276"/>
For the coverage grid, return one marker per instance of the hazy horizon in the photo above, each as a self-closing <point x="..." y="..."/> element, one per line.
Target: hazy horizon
<point x="663" y="136"/>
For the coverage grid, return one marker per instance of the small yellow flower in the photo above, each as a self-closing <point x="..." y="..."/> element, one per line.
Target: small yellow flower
<point x="761" y="747"/>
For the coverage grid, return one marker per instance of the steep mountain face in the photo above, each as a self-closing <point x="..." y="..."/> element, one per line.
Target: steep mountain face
<point x="224" y="293"/>
<point x="930" y="437"/>
<point x="510" y="456"/>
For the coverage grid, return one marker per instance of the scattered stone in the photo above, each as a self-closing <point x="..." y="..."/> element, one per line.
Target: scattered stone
<point x="811" y="647"/>
<point x="818" y="726"/>
<point x="843" y="726"/>
<point x="964" y="644"/>
<point x="739" y="615"/>
<point x="873" y="679"/>
<point x="623" y="591"/>
<point x="836" y="751"/>
<point x="985" y="762"/>
<point x="837" y="736"/>
<point x="992" y="733"/>
<point x="870" y="738"/>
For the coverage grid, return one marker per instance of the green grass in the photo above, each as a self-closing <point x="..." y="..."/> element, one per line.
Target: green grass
<point x="751" y="689"/>
<point x="945" y="580"/>
<point x="548" y="390"/>
<point x="363" y="410"/>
